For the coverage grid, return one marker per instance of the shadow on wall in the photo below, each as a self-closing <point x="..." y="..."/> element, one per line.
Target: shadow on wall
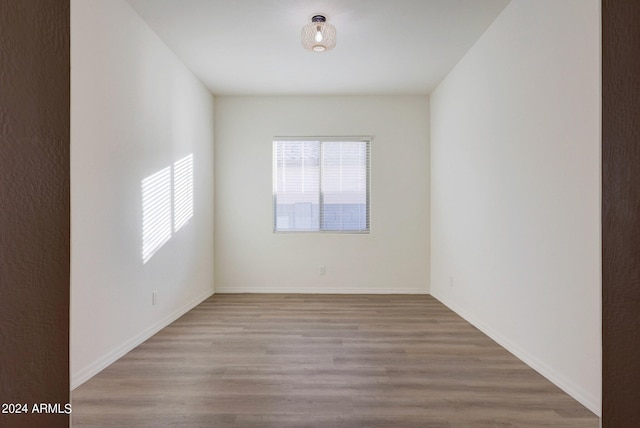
<point x="167" y="204"/>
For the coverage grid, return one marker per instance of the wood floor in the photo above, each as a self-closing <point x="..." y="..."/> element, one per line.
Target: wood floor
<point x="330" y="361"/>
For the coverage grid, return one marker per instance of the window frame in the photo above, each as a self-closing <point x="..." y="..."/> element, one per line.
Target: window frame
<point x="362" y="139"/>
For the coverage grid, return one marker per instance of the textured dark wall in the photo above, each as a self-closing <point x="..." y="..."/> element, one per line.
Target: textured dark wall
<point x="621" y="213"/>
<point x="34" y="210"/>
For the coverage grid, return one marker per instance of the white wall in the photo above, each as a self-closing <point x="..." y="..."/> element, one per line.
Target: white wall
<point x="135" y="110"/>
<point x="515" y="189"/>
<point x="394" y="258"/>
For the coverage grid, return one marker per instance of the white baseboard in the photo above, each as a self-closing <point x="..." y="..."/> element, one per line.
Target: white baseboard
<point x="319" y="290"/>
<point x="106" y="360"/>
<point x="532" y="361"/>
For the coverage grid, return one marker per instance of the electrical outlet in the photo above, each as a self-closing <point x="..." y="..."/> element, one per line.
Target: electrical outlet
<point x="154" y="297"/>
<point x="450" y="281"/>
<point x="322" y="270"/>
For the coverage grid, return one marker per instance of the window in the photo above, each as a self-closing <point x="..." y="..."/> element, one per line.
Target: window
<point x="321" y="184"/>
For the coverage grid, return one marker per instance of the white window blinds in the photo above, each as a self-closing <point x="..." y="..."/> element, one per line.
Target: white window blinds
<point x="321" y="185"/>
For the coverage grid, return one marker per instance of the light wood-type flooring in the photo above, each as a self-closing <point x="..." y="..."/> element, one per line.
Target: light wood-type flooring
<point x="329" y="361"/>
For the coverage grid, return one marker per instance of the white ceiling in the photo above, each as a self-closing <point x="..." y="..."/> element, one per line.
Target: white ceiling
<point x="384" y="46"/>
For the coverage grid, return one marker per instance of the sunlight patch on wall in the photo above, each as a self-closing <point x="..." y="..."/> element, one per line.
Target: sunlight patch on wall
<point x="167" y="199"/>
<point x="156" y="212"/>
<point x="182" y="192"/>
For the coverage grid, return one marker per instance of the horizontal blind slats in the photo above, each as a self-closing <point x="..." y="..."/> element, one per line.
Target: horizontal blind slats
<point x="344" y="186"/>
<point x="321" y="185"/>
<point x="297" y="186"/>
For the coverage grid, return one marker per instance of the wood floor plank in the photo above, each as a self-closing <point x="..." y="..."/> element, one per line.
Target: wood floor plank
<point x="283" y="360"/>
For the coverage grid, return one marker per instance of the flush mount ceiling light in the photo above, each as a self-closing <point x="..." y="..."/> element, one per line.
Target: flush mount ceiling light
<point x="318" y="35"/>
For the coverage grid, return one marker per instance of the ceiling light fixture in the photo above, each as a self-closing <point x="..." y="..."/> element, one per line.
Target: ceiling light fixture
<point x="318" y="35"/>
